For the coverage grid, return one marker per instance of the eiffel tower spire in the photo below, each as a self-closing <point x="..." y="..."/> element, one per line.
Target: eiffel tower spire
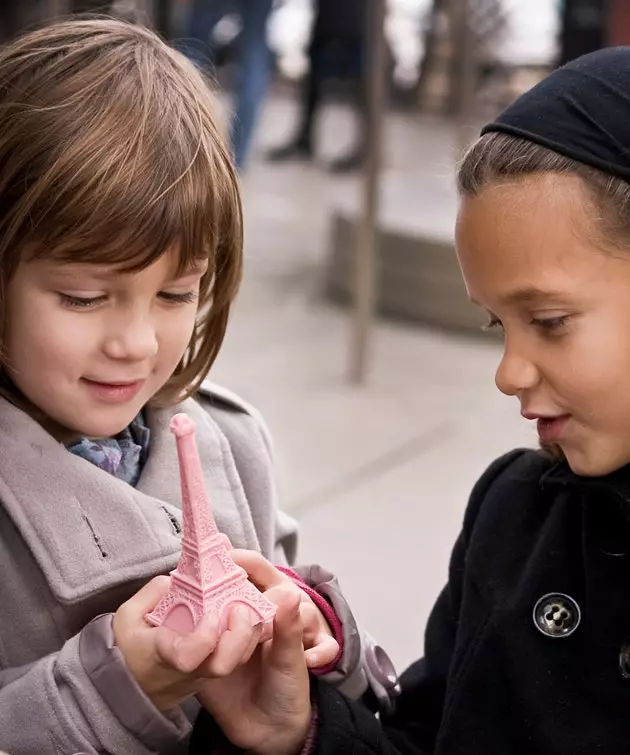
<point x="199" y="525"/>
<point x="206" y="579"/>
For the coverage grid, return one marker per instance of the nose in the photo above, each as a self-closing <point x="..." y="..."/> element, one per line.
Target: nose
<point x="516" y="373"/>
<point x="132" y="337"/>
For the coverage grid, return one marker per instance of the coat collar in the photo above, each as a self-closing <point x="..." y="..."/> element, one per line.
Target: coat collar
<point x="90" y="531"/>
<point x="616" y="484"/>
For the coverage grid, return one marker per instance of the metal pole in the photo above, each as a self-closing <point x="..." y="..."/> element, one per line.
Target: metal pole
<point x="366" y="251"/>
<point x="463" y="36"/>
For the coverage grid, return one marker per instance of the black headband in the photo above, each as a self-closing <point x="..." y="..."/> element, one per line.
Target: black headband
<point x="581" y="110"/>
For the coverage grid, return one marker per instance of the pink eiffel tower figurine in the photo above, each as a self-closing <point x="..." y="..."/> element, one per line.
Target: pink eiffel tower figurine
<point x="206" y="579"/>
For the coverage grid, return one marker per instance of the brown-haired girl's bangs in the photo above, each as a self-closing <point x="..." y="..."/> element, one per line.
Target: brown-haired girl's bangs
<point x="110" y="154"/>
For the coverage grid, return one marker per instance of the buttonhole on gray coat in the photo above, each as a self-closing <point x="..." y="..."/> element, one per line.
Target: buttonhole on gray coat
<point x="96" y="538"/>
<point x="177" y="527"/>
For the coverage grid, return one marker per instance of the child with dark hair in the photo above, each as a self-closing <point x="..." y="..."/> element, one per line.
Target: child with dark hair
<point x="527" y="650"/>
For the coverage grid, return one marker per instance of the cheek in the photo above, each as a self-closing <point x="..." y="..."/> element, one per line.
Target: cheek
<point x="36" y="343"/>
<point x="593" y="368"/>
<point x="176" y="332"/>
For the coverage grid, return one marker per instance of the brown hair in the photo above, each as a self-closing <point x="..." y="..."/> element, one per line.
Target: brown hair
<point x="110" y="153"/>
<point x="499" y="157"/>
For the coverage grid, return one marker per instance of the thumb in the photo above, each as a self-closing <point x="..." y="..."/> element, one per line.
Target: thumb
<point x="147" y="598"/>
<point x="286" y="652"/>
<point x="260" y="571"/>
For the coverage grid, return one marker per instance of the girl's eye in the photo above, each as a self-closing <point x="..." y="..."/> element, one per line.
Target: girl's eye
<point x="550" y="324"/>
<point x="80" y="302"/>
<point x="187" y="298"/>
<point x="494" y="322"/>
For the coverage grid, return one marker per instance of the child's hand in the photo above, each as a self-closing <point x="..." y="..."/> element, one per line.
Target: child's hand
<point x="264" y="706"/>
<point x="317" y="637"/>
<point x="170" y="667"/>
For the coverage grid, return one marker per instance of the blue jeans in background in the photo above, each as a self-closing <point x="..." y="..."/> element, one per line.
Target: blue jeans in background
<point x="253" y="59"/>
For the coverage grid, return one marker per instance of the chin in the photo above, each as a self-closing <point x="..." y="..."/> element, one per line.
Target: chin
<point x="584" y="466"/>
<point x="587" y="459"/>
<point x="103" y="427"/>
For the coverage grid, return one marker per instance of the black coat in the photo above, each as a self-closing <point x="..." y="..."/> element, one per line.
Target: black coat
<point x="340" y="19"/>
<point x="493" y="681"/>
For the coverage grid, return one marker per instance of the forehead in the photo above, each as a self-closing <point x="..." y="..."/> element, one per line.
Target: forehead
<point x="539" y="232"/>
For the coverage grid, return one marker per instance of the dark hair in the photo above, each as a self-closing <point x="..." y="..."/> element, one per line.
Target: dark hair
<point x="497" y="157"/>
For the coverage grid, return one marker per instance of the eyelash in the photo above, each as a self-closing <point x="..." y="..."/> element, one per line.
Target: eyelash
<point x="547" y="325"/>
<point x="188" y="298"/>
<point x="80" y="302"/>
<point x="551" y="324"/>
<point x="493" y="323"/>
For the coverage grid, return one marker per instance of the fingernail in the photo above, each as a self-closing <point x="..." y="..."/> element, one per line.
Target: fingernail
<point x="239" y="613"/>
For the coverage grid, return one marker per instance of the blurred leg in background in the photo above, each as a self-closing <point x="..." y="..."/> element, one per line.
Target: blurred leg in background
<point x="353" y="69"/>
<point x="10" y="21"/>
<point x="253" y="74"/>
<point x="253" y="60"/>
<point x="202" y="18"/>
<point x="310" y="93"/>
<point x="336" y="50"/>
<point x="16" y="17"/>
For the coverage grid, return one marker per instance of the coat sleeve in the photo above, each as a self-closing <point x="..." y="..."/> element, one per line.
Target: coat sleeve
<point x="83" y="699"/>
<point x="344" y="726"/>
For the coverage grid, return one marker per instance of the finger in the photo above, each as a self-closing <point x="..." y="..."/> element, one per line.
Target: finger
<point x="234" y="644"/>
<point x="323" y="652"/>
<point x="286" y="652"/>
<point x="260" y="571"/>
<point x="278" y="593"/>
<point x="187" y="652"/>
<point x="147" y="598"/>
<point x="257" y="639"/>
<point x="312" y="624"/>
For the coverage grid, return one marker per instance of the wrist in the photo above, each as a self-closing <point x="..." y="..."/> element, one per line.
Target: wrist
<point x="327" y="611"/>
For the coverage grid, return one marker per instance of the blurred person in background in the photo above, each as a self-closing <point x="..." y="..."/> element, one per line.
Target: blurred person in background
<point x="16" y="16"/>
<point x="253" y="59"/>
<point x="584" y="28"/>
<point x="336" y="49"/>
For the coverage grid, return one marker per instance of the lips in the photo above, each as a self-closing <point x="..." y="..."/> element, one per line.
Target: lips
<point x="114" y="392"/>
<point x="550" y="427"/>
<point x="117" y="383"/>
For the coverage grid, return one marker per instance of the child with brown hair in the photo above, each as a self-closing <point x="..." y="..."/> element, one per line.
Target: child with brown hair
<point x="527" y="650"/>
<point x="120" y="255"/>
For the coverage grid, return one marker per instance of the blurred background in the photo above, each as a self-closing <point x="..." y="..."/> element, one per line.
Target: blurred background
<point x="352" y="333"/>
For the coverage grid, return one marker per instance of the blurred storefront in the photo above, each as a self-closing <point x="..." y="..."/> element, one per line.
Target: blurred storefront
<point x="619" y="25"/>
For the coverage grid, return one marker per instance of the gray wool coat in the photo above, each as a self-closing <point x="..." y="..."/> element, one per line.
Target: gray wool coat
<point x="75" y="542"/>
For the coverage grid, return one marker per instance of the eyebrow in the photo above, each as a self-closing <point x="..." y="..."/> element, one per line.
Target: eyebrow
<point x="531" y="295"/>
<point x="99" y="272"/>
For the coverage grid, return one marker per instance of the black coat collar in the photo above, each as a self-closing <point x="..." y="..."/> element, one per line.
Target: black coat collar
<point x="616" y="484"/>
